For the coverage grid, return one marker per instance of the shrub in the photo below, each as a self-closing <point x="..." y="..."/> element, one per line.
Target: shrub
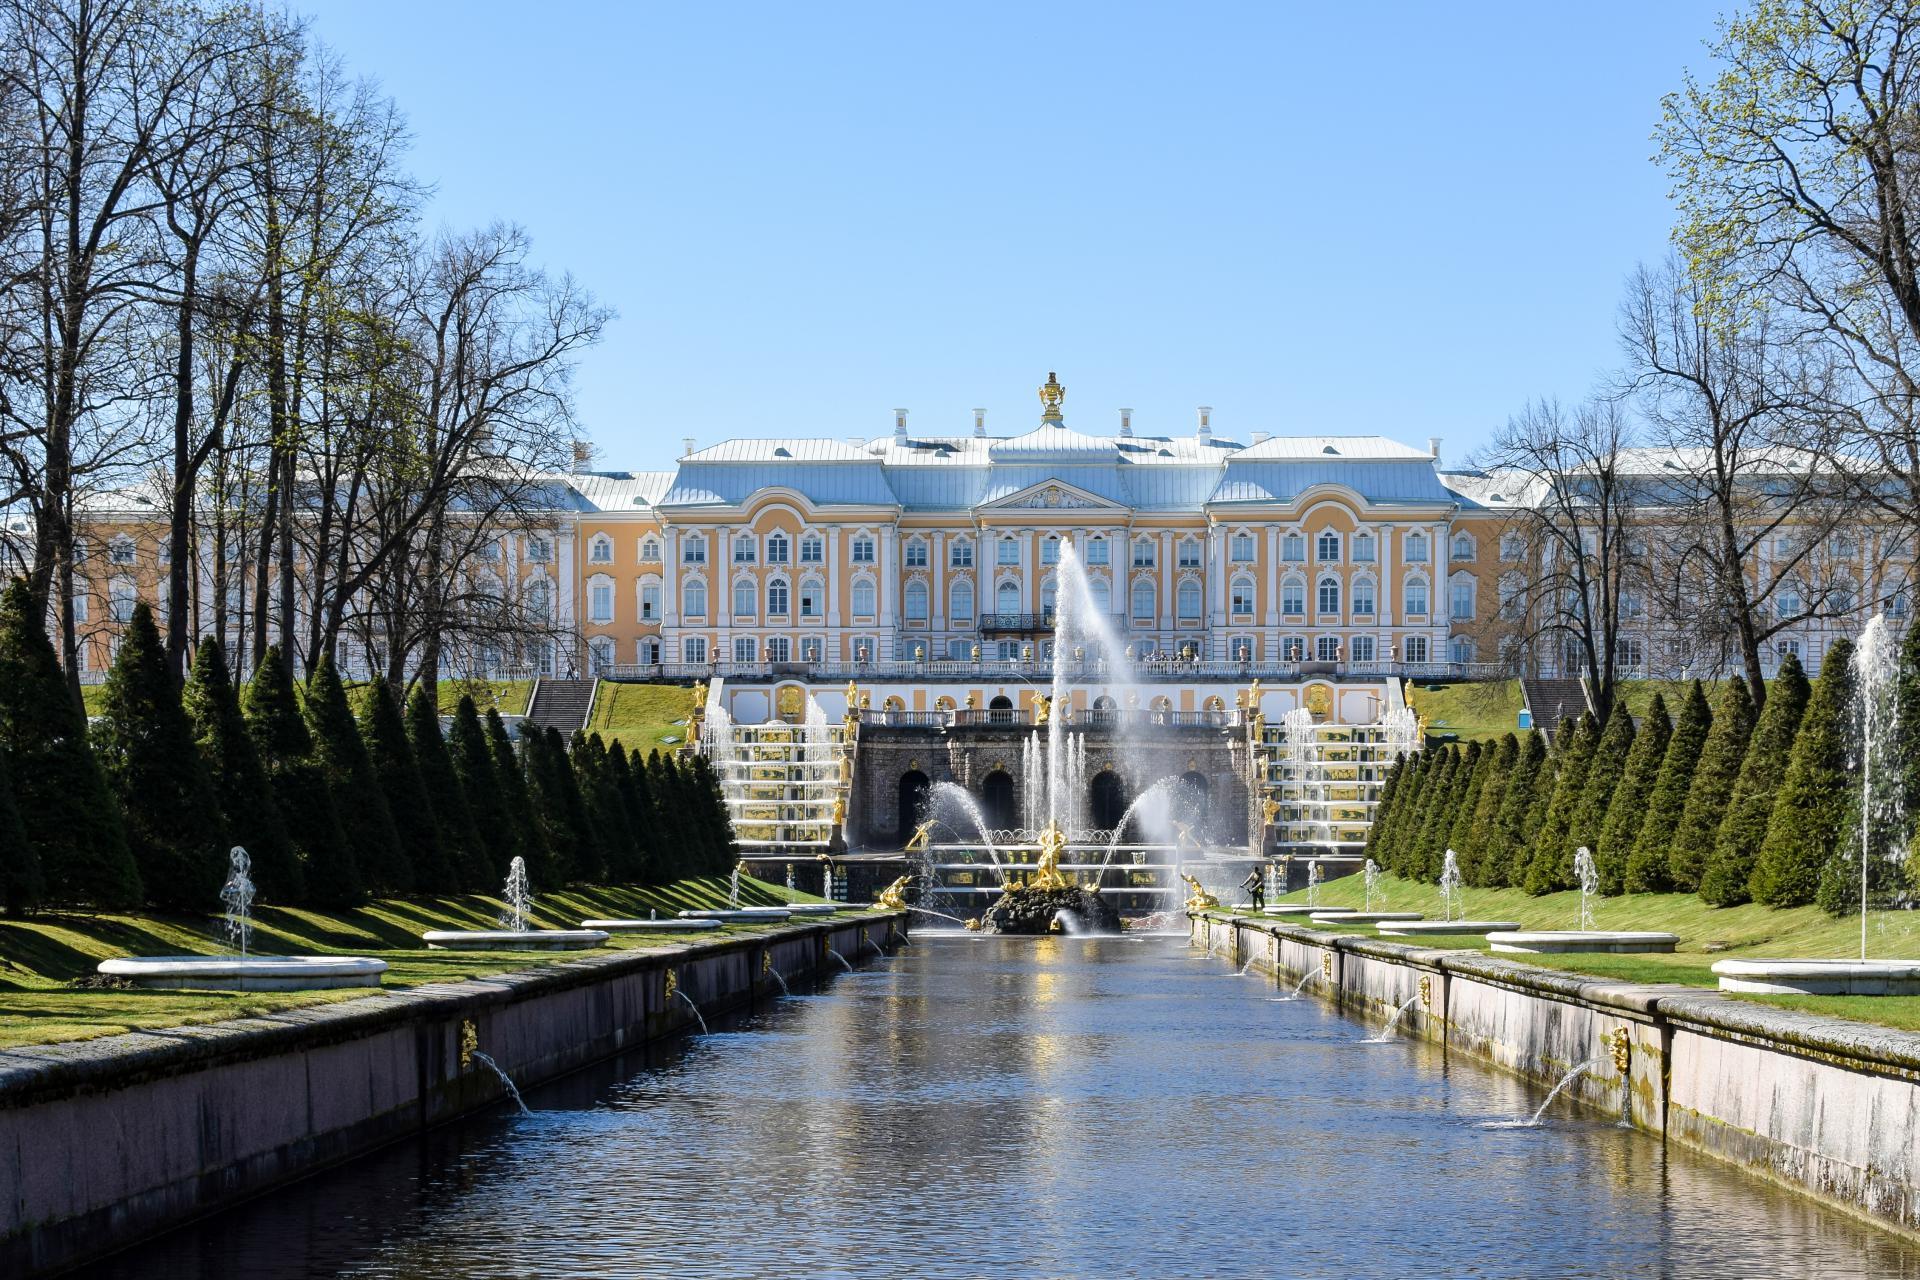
<point x="358" y="796"/>
<point x="1712" y="787"/>
<point x="1647" y="864"/>
<point x="1478" y="853"/>
<point x="1723" y="882"/>
<point x="299" y="787"/>
<point x="20" y="883"/>
<point x="510" y="772"/>
<point x="384" y="729"/>
<point x="1507" y="839"/>
<point x="1613" y="846"/>
<point x="1608" y="767"/>
<point x="1809" y="820"/>
<point x="1549" y="862"/>
<point x="460" y="840"/>
<point x="240" y="782"/>
<point x="480" y="783"/>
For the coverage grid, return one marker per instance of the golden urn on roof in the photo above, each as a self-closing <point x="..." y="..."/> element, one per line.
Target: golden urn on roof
<point x="1051" y="394"/>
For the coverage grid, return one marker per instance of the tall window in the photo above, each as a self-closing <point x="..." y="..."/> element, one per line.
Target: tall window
<point x="743" y="594"/>
<point x="1416" y="548"/>
<point x="1050" y="551"/>
<point x="1293" y="649"/>
<point x="650" y="550"/>
<point x="809" y="599"/>
<point x="777" y="546"/>
<point x="539" y="598"/>
<point x="1006" y="598"/>
<point x="779" y="649"/>
<point x="1008" y="551"/>
<point x="916" y="553"/>
<point x="1143" y="553"/>
<point x="693" y="649"/>
<point x="863" y="597"/>
<point x="777" y="598"/>
<point x="1243" y="597"/>
<point x="1416" y="596"/>
<point x="121" y="598"/>
<point x="1096" y="551"/>
<point x="600" y="602"/>
<point x="693" y="600"/>
<point x="915" y="601"/>
<point x="1363" y="599"/>
<point x="862" y="549"/>
<point x="1293" y="549"/>
<point x="1189" y="553"/>
<point x="744" y="549"/>
<point x="1243" y="548"/>
<point x="649" y="602"/>
<point x="1329" y="595"/>
<point x="1460" y="600"/>
<point x="960" y="554"/>
<point x="1188" y="601"/>
<point x="600" y="550"/>
<point x="1513" y="547"/>
<point x="1293" y="599"/>
<point x="1327" y="546"/>
<point x="1363" y="548"/>
<point x="960" y="602"/>
<point x="1327" y="649"/>
<point x="745" y="649"/>
<point x="1142" y="600"/>
<point x="812" y="549"/>
<point x="1416" y="648"/>
<point x="1360" y="649"/>
<point x="539" y="549"/>
<point x="694" y="550"/>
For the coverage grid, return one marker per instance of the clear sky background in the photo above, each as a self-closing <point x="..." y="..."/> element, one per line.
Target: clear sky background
<point x="1406" y="219"/>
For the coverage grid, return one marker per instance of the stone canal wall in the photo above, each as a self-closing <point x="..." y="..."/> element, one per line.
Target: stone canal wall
<point x="106" y="1141"/>
<point x="1827" y="1106"/>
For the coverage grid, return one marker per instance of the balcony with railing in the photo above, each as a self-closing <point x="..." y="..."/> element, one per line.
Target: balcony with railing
<point x="997" y="624"/>
<point x="1038" y="669"/>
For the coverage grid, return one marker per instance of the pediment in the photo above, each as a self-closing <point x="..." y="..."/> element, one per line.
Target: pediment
<point x="1051" y="495"/>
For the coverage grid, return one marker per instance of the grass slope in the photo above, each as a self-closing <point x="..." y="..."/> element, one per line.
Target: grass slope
<point x="1471" y="709"/>
<point x="642" y="716"/>
<point x="1706" y="934"/>
<point x="42" y="956"/>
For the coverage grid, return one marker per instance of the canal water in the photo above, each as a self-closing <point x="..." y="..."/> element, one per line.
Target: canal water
<point x="1031" y="1107"/>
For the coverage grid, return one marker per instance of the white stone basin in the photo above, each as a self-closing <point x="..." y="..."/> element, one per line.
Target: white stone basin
<point x="1298" y="909"/>
<point x="1821" y="977"/>
<point x="1361" y="917"/>
<point x="1554" y="941"/>
<point x="255" y="973"/>
<point x="810" y="908"/>
<point x="1445" y="928"/>
<point x="745" y="915"/>
<point x="670" y="925"/>
<point x="513" y="939"/>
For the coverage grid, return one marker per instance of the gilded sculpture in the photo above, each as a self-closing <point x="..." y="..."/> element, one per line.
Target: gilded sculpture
<point x="1199" y="899"/>
<point x="894" y="896"/>
<point x="1046" y="876"/>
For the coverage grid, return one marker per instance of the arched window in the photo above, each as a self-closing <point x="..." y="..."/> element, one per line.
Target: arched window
<point x="1106" y="799"/>
<point x="1293" y="598"/>
<point x="916" y="554"/>
<point x="863" y="598"/>
<point x="1416" y="596"/>
<point x="650" y="549"/>
<point x="1416" y="548"/>
<point x="960" y="553"/>
<point x="1102" y="596"/>
<point x="1050" y="550"/>
<point x="539" y="599"/>
<point x="1097" y="551"/>
<point x="1328" y="596"/>
<point x="915" y="600"/>
<point x="1006" y="598"/>
<point x="812" y="549"/>
<point x="1143" y="599"/>
<point x="1363" y="598"/>
<point x="1049" y="593"/>
<point x="600" y="550"/>
<point x="744" y="548"/>
<point x="1243" y="548"/>
<point x="121" y="598"/>
<point x="1327" y="546"/>
<point x="1189" y="553"/>
<point x="743" y="594"/>
<point x="1189" y="601"/>
<point x="1363" y="548"/>
<point x="600" y="599"/>
<point x="600" y="648"/>
<point x="777" y="598"/>
<point x="996" y="800"/>
<point x="960" y="602"/>
<point x="693" y="599"/>
<point x="912" y="795"/>
<point x="121" y="550"/>
<point x="1461" y="590"/>
<point x="777" y="547"/>
<point x="1293" y="549"/>
<point x="1143" y="553"/>
<point x="1242" y="597"/>
<point x="1463" y="548"/>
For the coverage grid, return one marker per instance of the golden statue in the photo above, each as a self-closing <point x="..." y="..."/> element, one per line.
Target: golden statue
<point x="922" y="838"/>
<point x="839" y="811"/>
<point x="853" y="694"/>
<point x="894" y="896"/>
<point x="968" y="702"/>
<point x="699" y="696"/>
<point x="1200" y="899"/>
<point x="1042" y="708"/>
<point x="1053" y="842"/>
<point x="1271" y="812"/>
<point x="1051" y="394"/>
<point x="1253" y="693"/>
<point x="973" y="924"/>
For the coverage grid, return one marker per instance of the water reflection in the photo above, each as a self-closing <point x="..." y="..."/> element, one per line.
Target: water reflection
<point x="1002" y="1108"/>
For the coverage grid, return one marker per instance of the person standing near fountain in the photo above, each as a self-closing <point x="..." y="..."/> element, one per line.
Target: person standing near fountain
<point x="1256" y="887"/>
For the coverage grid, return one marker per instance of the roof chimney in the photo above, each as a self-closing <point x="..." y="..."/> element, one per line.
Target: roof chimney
<point x="979" y="422"/>
<point x="1126" y="423"/>
<point x="686" y="445"/>
<point x="1261" y="437"/>
<point x="1206" y="424"/>
<point x="1433" y="447"/>
<point x="899" y="426"/>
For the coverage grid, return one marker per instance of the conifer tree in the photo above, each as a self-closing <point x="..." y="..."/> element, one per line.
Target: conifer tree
<point x="600" y="788"/>
<point x="1406" y="799"/>
<point x="1413" y="840"/>
<point x="300" y="789"/>
<point x="1424" y="863"/>
<point x="1506" y="853"/>
<point x="1712" y="787"/>
<point x="711" y="801"/>
<point x="1614" y="845"/>
<point x="664" y="781"/>
<point x="1816" y="800"/>
<point x="358" y="797"/>
<point x="1743" y="829"/>
<point x="460" y="841"/>
<point x="1477" y="855"/>
<point x="1549" y="861"/>
<point x="511" y="773"/>
<point x="20" y="883"/>
<point x="1608" y="766"/>
<point x="383" y="728"/>
<point x="630" y="772"/>
<point x="250" y="814"/>
<point x="1647" y="864"/>
<point x="145" y="745"/>
<point x="558" y="805"/>
<point x="1460" y="834"/>
<point x="486" y="797"/>
<point x="62" y="798"/>
<point x="1383" y="810"/>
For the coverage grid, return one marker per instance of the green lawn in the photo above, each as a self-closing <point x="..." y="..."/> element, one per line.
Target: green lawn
<point x="1706" y="934"/>
<point x="1470" y="709"/>
<point x="642" y="716"/>
<point x="41" y="957"/>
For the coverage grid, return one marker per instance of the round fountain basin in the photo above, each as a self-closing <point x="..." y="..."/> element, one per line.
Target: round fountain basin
<point x="1361" y="917"/>
<point x="649" y="926"/>
<point x="513" y="939"/>
<point x="1445" y="928"/>
<point x="811" y="908"/>
<point x="255" y="973"/>
<point x="1298" y="909"/>
<point x="1559" y="941"/>
<point x="1821" y="977"/>
<point x="739" y="915"/>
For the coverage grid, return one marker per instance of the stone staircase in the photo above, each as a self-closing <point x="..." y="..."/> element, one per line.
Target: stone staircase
<point x="1551" y="701"/>
<point x="560" y="704"/>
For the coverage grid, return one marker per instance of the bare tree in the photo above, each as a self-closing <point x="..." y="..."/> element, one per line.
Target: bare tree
<point x="1577" y="521"/>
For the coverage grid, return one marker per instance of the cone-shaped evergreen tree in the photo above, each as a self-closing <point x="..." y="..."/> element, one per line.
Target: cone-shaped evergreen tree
<point x="1723" y="882"/>
<point x="711" y="803"/>
<point x="1628" y="807"/>
<point x="1816" y="799"/>
<point x="1550" y="861"/>
<point x="1383" y="811"/>
<point x="1507" y="841"/>
<point x="300" y="788"/>
<point x="460" y="840"/>
<point x="676" y="817"/>
<point x="630" y="775"/>
<point x="145" y="745"/>
<point x="1647" y="864"/>
<point x="20" y="883"/>
<point x="1712" y="787"/>
<point x="1476" y="856"/>
<point x="358" y="796"/>
<point x="561" y="811"/>
<point x="1604" y="771"/>
<point x="1406" y="800"/>
<point x="250" y="814"/>
<point x="1423" y="855"/>
<point x="511" y="773"/>
<point x="384" y="729"/>
<point x="63" y="800"/>
<point x="1460" y="834"/>
<point x="600" y="788"/>
<point x="473" y="762"/>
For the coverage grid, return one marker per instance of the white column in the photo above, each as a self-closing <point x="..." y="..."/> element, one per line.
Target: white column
<point x="833" y="580"/>
<point x="670" y="582"/>
<point x="1273" y="579"/>
<point x="1441" y="617"/>
<point x="937" y="607"/>
<point x="889" y="592"/>
<point x="1217" y="591"/>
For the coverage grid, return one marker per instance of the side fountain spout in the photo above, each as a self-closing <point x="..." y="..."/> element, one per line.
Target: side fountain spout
<point x="766" y="967"/>
<point x="1589" y="877"/>
<point x="1533" y="1122"/>
<point x="921" y="840"/>
<point x="517" y="895"/>
<point x="237" y="893"/>
<point x="1450" y="885"/>
<point x="1370" y="875"/>
<point x="1314" y="876"/>
<point x="1386" y="1032"/>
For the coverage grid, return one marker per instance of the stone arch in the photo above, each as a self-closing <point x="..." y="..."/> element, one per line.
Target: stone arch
<point x="911" y="794"/>
<point x="1106" y="799"/>
<point x="997" y="800"/>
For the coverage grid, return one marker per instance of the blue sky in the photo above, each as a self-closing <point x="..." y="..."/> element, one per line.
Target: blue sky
<point x="1406" y="220"/>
